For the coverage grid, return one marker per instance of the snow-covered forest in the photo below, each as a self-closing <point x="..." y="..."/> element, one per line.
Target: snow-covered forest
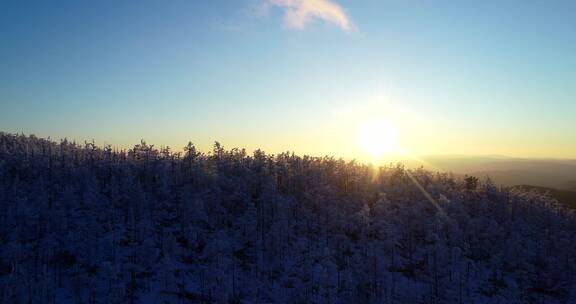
<point x="89" y="224"/>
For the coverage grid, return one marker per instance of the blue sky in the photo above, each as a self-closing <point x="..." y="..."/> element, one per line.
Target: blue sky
<point x="452" y="77"/>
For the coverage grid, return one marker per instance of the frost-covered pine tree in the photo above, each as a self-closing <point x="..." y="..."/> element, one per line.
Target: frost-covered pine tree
<point x="84" y="224"/>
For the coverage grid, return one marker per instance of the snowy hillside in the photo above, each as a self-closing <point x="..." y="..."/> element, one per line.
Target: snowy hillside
<point x="86" y="224"/>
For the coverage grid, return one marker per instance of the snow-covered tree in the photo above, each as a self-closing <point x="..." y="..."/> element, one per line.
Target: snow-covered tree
<point x="84" y="224"/>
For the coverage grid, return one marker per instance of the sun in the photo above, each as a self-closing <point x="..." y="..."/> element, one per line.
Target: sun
<point x="379" y="139"/>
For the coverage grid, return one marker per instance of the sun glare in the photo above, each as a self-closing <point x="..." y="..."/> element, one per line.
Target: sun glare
<point x="379" y="139"/>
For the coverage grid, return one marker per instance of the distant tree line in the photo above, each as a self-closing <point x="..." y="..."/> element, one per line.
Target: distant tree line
<point x="89" y="224"/>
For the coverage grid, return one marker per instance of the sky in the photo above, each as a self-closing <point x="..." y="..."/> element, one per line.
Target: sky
<point x="349" y="78"/>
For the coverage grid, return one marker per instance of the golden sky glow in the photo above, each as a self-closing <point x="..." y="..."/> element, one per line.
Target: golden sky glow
<point x="350" y="79"/>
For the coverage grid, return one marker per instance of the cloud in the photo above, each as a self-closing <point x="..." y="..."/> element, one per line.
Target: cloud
<point x="297" y="13"/>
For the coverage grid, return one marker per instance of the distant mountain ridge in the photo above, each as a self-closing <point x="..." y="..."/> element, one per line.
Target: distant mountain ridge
<point x="507" y="171"/>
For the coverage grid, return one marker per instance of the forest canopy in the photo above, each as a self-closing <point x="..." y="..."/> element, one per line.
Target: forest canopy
<point x="90" y="224"/>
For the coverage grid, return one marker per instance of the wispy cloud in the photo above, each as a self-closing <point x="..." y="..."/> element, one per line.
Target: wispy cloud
<point x="297" y="13"/>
